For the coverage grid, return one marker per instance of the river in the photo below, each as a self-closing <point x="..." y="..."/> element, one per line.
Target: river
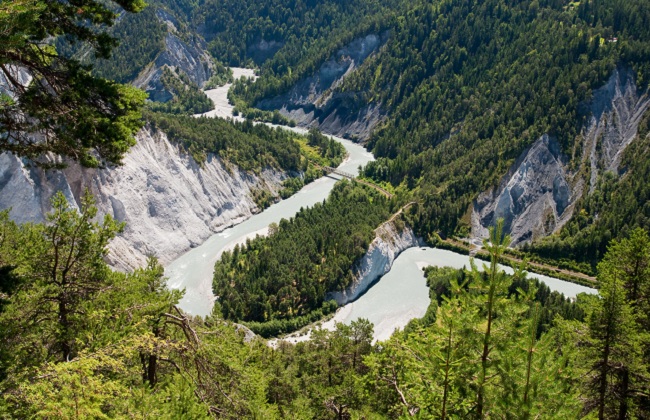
<point x="402" y="293"/>
<point x="193" y="270"/>
<point x="398" y="297"/>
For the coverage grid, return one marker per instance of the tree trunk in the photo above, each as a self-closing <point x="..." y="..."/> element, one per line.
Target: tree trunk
<point x="625" y="389"/>
<point x="151" y="371"/>
<point x="66" y="349"/>
<point x="447" y="363"/>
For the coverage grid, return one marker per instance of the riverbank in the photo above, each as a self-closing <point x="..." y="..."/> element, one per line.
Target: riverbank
<point x="402" y="294"/>
<point x="512" y="261"/>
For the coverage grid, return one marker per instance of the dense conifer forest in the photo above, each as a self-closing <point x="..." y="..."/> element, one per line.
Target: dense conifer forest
<point x="252" y="147"/>
<point x="288" y="273"/>
<point x="465" y="86"/>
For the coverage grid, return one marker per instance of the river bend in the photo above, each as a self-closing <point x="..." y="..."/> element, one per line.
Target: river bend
<point x="398" y="297"/>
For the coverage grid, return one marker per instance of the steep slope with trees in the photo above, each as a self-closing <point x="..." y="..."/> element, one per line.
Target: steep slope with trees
<point x="618" y="205"/>
<point x="51" y="103"/>
<point x="468" y="86"/>
<point x="81" y="340"/>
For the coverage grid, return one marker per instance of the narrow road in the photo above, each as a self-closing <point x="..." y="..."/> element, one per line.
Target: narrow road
<point x="397" y="214"/>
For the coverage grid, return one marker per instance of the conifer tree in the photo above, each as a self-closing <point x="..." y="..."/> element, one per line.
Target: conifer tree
<point x="493" y="286"/>
<point x="52" y="103"/>
<point x="61" y="264"/>
<point x="618" y="339"/>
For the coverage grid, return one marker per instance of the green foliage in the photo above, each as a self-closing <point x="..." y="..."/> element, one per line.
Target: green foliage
<point x="319" y="378"/>
<point x="475" y="85"/>
<point x="294" y="31"/>
<point x="141" y="39"/>
<point x="72" y="113"/>
<point x="250" y="147"/>
<point x="316" y="148"/>
<point x="187" y="97"/>
<point x="262" y="198"/>
<point x="615" y="208"/>
<point x="61" y="262"/>
<point x="288" y="274"/>
<point x="220" y="76"/>
<point x="324" y="150"/>
<point x="480" y="355"/>
<point x="615" y="343"/>
<point x="277" y="327"/>
<point x="468" y="86"/>
<point x="133" y="354"/>
<point x="80" y="341"/>
<point x="553" y="304"/>
<point x="250" y="113"/>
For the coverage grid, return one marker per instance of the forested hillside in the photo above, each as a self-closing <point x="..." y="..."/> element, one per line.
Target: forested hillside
<point x="187" y="98"/>
<point x="275" y="279"/>
<point x="504" y="76"/>
<point x="134" y="51"/>
<point x="284" y="38"/>
<point x="79" y="341"/>
<point x="469" y="85"/>
<point x="252" y="147"/>
<point x="531" y="65"/>
<point x="615" y="208"/>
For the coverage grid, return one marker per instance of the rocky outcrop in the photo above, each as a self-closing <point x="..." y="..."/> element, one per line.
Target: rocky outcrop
<point x="531" y="198"/>
<point x="391" y="239"/>
<point x="189" y="57"/>
<point x="315" y="101"/>
<point x="262" y="50"/>
<point x="535" y="198"/>
<point x="169" y="202"/>
<point x="20" y="78"/>
<point x="615" y="113"/>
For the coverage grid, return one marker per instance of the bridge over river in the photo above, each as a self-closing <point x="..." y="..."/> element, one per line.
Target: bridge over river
<point x="344" y="174"/>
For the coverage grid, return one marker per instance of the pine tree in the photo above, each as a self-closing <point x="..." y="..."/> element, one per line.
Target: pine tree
<point x="615" y="346"/>
<point x="52" y="103"/>
<point x="619" y="328"/>
<point x="491" y="288"/>
<point x="62" y="267"/>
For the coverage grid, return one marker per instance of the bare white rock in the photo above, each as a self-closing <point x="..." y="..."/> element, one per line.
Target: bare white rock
<point x="537" y="195"/>
<point x="169" y="202"/>
<point x="391" y="239"/>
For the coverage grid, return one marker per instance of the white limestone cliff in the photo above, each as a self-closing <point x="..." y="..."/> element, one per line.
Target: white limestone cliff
<point x="391" y="239"/>
<point x="537" y="195"/>
<point x="169" y="202"/>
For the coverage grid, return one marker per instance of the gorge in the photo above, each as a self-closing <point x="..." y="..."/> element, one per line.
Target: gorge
<point x="389" y="289"/>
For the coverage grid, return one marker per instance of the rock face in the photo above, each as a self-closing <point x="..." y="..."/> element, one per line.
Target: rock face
<point x="531" y="198"/>
<point x="168" y="201"/>
<point x="314" y="101"/>
<point x="20" y="75"/>
<point x="536" y="196"/>
<point x="189" y="57"/>
<point x="616" y="110"/>
<point x="390" y="241"/>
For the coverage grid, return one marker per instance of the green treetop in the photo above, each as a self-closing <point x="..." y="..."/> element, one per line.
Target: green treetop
<point x="52" y="103"/>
